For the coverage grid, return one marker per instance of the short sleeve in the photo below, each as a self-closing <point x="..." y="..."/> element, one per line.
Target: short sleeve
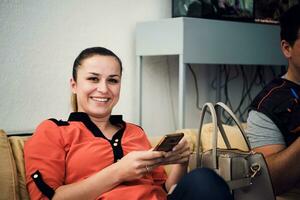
<point x="262" y="131"/>
<point x="44" y="152"/>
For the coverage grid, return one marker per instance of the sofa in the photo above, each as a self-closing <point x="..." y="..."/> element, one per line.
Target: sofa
<point x="12" y="172"/>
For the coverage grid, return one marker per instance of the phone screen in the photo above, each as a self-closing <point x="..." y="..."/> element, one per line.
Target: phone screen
<point x="168" y="142"/>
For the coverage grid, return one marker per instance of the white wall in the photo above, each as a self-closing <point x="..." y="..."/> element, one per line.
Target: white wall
<point x="160" y="93"/>
<point x="40" y="39"/>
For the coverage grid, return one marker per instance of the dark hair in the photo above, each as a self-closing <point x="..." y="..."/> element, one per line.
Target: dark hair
<point x="290" y="24"/>
<point x="87" y="53"/>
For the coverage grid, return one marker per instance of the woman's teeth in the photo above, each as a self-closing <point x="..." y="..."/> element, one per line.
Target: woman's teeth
<point x="100" y="99"/>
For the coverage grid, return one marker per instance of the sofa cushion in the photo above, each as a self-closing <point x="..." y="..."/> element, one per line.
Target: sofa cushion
<point x="8" y="172"/>
<point x="17" y="144"/>
<point x="191" y="137"/>
<point x="234" y="136"/>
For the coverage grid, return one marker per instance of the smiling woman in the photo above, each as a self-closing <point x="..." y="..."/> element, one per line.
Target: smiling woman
<point x="97" y="87"/>
<point x="96" y="155"/>
<point x="99" y="53"/>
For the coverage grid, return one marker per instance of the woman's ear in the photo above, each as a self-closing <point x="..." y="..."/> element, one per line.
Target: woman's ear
<point x="286" y="48"/>
<point x="73" y="85"/>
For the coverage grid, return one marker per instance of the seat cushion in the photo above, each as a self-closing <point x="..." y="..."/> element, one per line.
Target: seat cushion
<point x="8" y="171"/>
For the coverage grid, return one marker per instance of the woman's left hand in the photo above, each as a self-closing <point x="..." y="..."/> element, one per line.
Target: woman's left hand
<point x="179" y="155"/>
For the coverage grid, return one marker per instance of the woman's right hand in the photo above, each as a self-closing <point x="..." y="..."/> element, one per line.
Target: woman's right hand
<point x="137" y="164"/>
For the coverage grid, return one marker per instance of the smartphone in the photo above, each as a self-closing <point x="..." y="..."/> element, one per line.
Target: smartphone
<point x="168" y="142"/>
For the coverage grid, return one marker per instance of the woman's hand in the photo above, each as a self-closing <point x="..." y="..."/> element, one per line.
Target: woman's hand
<point x="137" y="164"/>
<point x="179" y="155"/>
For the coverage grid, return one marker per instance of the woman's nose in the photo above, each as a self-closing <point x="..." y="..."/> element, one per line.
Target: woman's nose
<point x="102" y="87"/>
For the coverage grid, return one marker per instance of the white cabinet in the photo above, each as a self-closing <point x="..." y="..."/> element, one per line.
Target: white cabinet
<point x="205" y="41"/>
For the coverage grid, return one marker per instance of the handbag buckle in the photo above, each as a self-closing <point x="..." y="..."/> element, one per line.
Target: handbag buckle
<point x="255" y="168"/>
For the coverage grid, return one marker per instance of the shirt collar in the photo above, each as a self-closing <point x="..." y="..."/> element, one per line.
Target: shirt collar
<point x="85" y="119"/>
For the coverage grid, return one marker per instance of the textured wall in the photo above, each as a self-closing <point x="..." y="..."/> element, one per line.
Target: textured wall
<point x="39" y="41"/>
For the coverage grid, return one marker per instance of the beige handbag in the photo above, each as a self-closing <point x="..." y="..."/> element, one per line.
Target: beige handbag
<point x="245" y="172"/>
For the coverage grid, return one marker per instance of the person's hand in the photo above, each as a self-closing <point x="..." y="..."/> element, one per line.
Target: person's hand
<point x="179" y="155"/>
<point x="137" y="164"/>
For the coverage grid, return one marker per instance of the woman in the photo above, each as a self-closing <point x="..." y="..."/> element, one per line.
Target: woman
<point x="95" y="155"/>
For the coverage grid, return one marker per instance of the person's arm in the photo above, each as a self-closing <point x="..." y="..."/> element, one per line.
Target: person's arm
<point x="130" y="167"/>
<point x="91" y="187"/>
<point x="179" y="157"/>
<point x="284" y="165"/>
<point x="177" y="172"/>
<point x="283" y="162"/>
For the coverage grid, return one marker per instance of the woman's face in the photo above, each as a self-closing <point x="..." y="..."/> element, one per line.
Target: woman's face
<point x="98" y="85"/>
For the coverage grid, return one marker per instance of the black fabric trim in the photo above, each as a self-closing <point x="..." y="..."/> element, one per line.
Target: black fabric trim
<point x="19" y="134"/>
<point x="43" y="187"/>
<point x="83" y="117"/>
<point x="115" y="142"/>
<point x="116" y="119"/>
<point x="59" y="122"/>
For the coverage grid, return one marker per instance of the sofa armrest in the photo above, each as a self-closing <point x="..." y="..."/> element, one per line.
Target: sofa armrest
<point x="17" y="144"/>
<point x="8" y="172"/>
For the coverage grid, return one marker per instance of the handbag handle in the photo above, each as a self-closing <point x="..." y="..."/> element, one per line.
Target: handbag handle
<point x="214" y="136"/>
<point x="221" y="105"/>
<point x="217" y="125"/>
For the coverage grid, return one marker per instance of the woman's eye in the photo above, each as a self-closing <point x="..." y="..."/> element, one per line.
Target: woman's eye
<point x="94" y="79"/>
<point x="112" y="80"/>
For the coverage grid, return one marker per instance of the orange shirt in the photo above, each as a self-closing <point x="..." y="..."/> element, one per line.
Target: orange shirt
<point x="67" y="152"/>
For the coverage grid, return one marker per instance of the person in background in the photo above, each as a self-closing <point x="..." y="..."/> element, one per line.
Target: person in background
<point x="274" y="118"/>
<point x="97" y="155"/>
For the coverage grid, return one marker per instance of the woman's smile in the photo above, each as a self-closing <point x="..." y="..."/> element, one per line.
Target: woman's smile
<point x="100" y="99"/>
<point x="98" y="85"/>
